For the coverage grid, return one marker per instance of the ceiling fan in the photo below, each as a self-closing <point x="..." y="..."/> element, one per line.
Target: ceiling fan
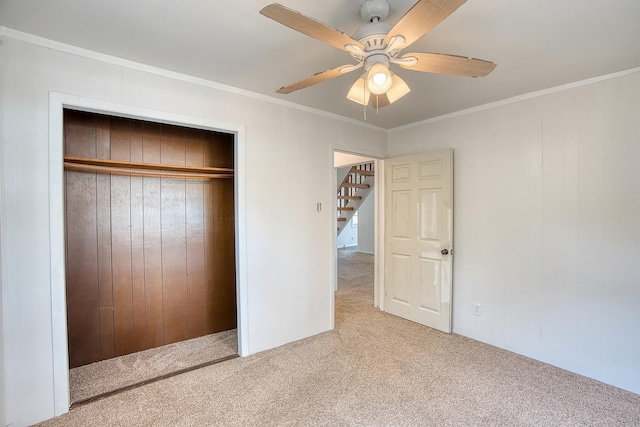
<point x="377" y="44"/>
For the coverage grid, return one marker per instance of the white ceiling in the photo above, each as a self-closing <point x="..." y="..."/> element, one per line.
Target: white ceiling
<point x="537" y="44"/>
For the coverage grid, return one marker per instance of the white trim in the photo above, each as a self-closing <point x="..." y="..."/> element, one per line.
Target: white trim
<point x="60" y="356"/>
<point x="519" y="98"/>
<point x="378" y="242"/>
<point x="4" y="402"/>
<point x="333" y="267"/>
<point x="57" y="102"/>
<point x="242" y="275"/>
<point x="85" y="53"/>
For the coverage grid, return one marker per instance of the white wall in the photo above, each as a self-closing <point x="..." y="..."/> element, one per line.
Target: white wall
<point x="348" y="237"/>
<point x="547" y="224"/>
<point x="341" y="173"/>
<point x="366" y="224"/>
<point x="289" y="298"/>
<point x="3" y="389"/>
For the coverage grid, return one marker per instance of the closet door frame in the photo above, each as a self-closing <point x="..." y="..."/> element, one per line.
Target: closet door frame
<point x="57" y="103"/>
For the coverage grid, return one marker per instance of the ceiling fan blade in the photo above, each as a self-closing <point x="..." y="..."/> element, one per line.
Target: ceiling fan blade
<point x="316" y="78"/>
<point x="421" y="18"/>
<point x="349" y="68"/>
<point x="309" y="26"/>
<point x="449" y="64"/>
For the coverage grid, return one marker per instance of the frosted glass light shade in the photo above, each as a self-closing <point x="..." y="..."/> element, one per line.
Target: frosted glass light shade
<point x="359" y="92"/>
<point x="397" y="90"/>
<point x="379" y="79"/>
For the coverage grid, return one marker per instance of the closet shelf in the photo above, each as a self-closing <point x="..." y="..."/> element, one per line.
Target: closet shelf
<point x="145" y="169"/>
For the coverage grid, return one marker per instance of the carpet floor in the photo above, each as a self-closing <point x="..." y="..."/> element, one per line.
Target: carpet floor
<point x="107" y="375"/>
<point x="373" y="369"/>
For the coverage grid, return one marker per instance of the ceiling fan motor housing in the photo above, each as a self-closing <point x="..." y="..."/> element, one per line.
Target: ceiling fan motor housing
<point x="374" y="10"/>
<point x="372" y="35"/>
<point x="376" y="58"/>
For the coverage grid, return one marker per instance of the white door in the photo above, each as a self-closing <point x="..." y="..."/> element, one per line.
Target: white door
<point x="419" y="238"/>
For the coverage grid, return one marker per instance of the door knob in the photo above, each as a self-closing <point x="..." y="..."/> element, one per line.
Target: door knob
<point x="445" y="252"/>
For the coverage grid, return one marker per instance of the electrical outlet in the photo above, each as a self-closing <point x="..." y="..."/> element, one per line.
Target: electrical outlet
<point x="477" y="309"/>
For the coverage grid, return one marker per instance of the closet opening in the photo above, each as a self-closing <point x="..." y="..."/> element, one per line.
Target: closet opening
<point x="150" y="250"/>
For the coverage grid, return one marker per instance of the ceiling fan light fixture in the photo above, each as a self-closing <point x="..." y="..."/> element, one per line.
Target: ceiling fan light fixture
<point x="397" y="90"/>
<point x="359" y="92"/>
<point x="379" y="78"/>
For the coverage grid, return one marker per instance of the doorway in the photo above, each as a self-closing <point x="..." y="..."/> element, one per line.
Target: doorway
<point x="149" y="235"/>
<point x="57" y="103"/>
<point x="429" y="271"/>
<point x="355" y="208"/>
<point x="150" y="250"/>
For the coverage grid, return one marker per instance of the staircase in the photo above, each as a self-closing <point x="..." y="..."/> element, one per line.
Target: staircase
<point x="352" y="191"/>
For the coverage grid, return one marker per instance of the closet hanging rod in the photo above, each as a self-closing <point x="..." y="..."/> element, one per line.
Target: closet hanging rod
<point x="144" y="172"/>
<point x="149" y="166"/>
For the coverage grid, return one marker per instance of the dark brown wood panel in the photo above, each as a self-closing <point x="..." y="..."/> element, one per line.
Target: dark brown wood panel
<point x="137" y="244"/>
<point x="174" y="255"/>
<point x="209" y="241"/>
<point x="195" y="209"/>
<point x="80" y="136"/>
<point x="152" y="239"/>
<point x="121" y="240"/>
<point x="84" y="321"/>
<point x="150" y="261"/>
<point x="224" y="291"/>
<point x="103" y="209"/>
<point x="222" y="150"/>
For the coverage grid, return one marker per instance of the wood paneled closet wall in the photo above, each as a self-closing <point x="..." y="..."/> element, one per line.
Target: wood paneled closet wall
<point x="150" y="260"/>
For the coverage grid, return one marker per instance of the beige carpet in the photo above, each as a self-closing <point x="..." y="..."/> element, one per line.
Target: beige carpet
<point x="107" y="375"/>
<point x="374" y="369"/>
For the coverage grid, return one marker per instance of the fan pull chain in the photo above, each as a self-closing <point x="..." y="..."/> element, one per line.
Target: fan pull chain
<point x="364" y="96"/>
